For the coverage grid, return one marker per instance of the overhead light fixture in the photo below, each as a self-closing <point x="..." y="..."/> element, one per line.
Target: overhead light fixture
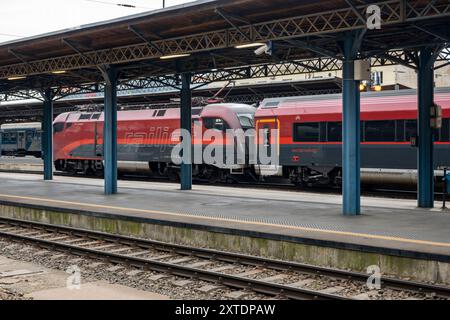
<point x="175" y="56"/>
<point x="59" y="71"/>
<point x="261" y="48"/>
<point x="250" y="45"/>
<point x="16" y="78"/>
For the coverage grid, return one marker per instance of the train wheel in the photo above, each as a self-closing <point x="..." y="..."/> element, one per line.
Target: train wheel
<point x="214" y="176"/>
<point x="173" y="175"/>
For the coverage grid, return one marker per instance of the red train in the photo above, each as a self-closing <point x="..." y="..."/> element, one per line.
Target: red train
<point x="309" y="141"/>
<point x="310" y="136"/>
<point x="144" y="139"/>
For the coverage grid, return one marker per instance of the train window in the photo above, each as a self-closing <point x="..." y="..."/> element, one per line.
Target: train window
<point x="334" y="131"/>
<point x="246" y="121"/>
<point x="154" y="113"/>
<point x="161" y="113"/>
<point x="85" y="116"/>
<point x="8" y="137"/>
<point x="410" y="129"/>
<point x="323" y="131"/>
<point x="197" y="111"/>
<point x="379" y="131"/>
<point x="306" y="132"/>
<point x="96" y="116"/>
<point x="271" y="104"/>
<point x="400" y="130"/>
<point x="58" y="127"/>
<point x="215" y="123"/>
<point x="445" y="130"/>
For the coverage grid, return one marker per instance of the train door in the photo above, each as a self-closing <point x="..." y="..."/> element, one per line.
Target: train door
<point x="21" y="140"/>
<point x="215" y="140"/>
<point x="98" y="139"/>
<point x="268" y="142"/>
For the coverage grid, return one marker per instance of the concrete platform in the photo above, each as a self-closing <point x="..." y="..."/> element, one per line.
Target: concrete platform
<point x="19" y="164"/>
<point x="297" y="226"/>
<point x="40" y="283"/>
<point x="99" y="290"/>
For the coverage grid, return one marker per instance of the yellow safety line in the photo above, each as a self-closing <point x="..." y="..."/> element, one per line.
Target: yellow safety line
<point x="334" y="232"/>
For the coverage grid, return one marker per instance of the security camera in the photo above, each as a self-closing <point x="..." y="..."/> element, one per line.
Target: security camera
<point x="263" y="50"/>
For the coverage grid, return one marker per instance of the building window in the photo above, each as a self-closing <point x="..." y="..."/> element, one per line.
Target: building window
<point x="306" y="132"/>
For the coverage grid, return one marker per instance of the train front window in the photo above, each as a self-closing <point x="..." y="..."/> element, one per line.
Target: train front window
<point x="306" y="132"/>
<point x="58" y="127"/>
<point x="246" y="121"/>
<point x="215" y="124"/>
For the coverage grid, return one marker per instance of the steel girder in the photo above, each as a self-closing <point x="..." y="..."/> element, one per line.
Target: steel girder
<point x="200" y="78"/>
<point x="245" y="98"/>
<point x="345" y="19"/>
<point x="323" y="64"/>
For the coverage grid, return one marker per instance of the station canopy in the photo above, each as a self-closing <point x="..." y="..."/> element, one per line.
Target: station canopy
<point x="216" y="40"/>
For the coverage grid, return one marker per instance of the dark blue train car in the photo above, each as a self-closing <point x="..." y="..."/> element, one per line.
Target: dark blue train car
<point x="21" y="139"/>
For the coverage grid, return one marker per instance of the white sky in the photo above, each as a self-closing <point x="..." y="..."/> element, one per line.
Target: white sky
<point x="24" y="18"/>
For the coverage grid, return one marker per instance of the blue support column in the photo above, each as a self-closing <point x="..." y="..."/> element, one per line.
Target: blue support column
<point x="47" y="135"/>
<point x="110" y="131"/>
<point x="351" y="188"/>
<point x="186" y="124"/>
<point x="425" y="151"/>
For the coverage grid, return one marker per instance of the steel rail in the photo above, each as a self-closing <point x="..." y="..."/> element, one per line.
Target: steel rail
<point x="222" y="256"/>
<point x="258" y="286"/>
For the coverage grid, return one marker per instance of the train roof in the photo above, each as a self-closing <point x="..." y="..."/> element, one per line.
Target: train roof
<point x="166" y="114"/>
<point x="404" y="100"/>
<point x="27" y="125"/>
<point x="235" y="107"/>
<point x="128" y="115"/>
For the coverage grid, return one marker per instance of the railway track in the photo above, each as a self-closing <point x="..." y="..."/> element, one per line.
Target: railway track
<point x="260" y="275"/>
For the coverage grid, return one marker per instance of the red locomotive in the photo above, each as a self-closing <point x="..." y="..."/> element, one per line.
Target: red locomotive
<point x="144" y="139"/>
<point x="310" y="136"/>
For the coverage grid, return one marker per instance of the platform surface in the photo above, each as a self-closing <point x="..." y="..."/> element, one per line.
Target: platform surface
<point x="41" y="283"/>
<point x="99" y="290"/>
<point x="385" y="223"/>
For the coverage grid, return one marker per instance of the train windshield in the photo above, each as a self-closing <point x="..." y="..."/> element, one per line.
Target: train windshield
<point x="246" y="120"/>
